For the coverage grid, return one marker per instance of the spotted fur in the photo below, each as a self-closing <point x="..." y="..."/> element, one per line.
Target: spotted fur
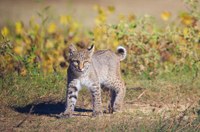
<point x="94" y="70"/>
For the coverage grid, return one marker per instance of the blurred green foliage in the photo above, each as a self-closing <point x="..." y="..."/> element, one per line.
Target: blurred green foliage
<point x="153" y="48"/>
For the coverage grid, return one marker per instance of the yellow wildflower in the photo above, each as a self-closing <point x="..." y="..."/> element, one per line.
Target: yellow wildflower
<point x="74" y="26"/>
<point x="102" y="15"/>
<point x="50" y="59"/>
<point x="99" y="9"/>
<point x="23" y="72"/>
<point x="51" y="28"/>
<point x="27" y="40"/>
<point x="32" y="21"/>
<point x="18" y="28"/>
<point x="100" y="19"/>
<point x="75" y="39"/>
<point x="49" y="44"/>
<point x="186" y="19"/>
<point x="121" y="17"/>
<point x="36" y="27"/>
<point x="111" y="9"/>
<point x="185" y="31"/>
<point x="18" y="50"/>
<point x="64" y="20"/>
<point x="55" y="53"/>
<point x="131" y="17"/>
<point x="97" y="21"/>
<point x="165" y="15"/>
<point x="115" y="43"/>
<point x="61" y="59"/>
<point x="98" y="32"/>
<point x="5" y="31"/>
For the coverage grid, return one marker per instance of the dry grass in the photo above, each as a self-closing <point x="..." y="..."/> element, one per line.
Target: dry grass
<point x="28" y="104"/>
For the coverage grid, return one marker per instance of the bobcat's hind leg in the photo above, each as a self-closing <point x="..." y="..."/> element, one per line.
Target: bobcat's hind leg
<point x="117" y="96"/>
<point x="112" y="99"/>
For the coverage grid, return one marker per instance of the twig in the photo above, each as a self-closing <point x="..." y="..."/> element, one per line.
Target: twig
<point x="184" y="114"/>
<point x="197" y="127"/>
<point x="179" y="119"/>
<point x="141" y="94"/>
<point x="21" y="122"/>
<point x="185" y="126"/>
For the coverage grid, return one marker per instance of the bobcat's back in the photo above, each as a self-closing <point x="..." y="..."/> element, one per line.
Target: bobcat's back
<point x="107" y="63"/>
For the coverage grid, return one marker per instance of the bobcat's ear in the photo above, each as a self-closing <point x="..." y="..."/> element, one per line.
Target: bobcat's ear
<point x="91" y="50"/>
<point x="72" y="49"/>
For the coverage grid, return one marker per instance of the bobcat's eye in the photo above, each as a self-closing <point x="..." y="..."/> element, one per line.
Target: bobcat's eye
<point x="86" y="63"/>
<point x="75" y="63"/>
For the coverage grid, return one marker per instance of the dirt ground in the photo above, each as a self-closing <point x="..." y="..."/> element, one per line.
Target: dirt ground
<point x="42" y="116"/>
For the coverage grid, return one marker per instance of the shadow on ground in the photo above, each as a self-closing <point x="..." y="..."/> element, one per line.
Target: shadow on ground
<point x="46" y="108"/>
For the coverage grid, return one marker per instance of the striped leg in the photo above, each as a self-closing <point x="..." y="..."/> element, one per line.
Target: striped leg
<point x="71" y="97"/>
<point x="96" y="99"/>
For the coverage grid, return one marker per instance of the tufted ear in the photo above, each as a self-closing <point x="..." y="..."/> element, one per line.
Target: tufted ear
<point x="91" y="50"/>
<point x="72" y="49"/>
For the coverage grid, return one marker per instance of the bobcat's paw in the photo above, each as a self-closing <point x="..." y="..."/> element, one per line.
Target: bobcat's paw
<point x="114" y="110"/>
<point x="97" y="113"/>
<point x="64" y="115"/>
<point x="117" y="108"/>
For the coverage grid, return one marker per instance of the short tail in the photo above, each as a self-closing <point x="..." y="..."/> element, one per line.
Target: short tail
<point x="121" y="52"/>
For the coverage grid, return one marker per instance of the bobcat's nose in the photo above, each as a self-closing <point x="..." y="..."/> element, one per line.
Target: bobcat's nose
<point x="81" y="67"/>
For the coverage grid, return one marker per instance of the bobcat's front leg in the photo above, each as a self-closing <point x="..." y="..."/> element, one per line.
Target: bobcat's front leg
<point x="73" y="88"/>
<point x="96" y="99"/>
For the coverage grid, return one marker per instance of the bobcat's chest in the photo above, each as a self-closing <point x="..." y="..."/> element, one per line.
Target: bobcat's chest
<point x="89" y="79"/>
<point x="85" y="81"/>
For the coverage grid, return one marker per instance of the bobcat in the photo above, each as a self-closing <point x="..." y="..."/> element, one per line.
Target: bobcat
<point x="95" y="70"/>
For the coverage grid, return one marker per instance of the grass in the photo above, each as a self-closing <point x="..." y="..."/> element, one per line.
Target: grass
<point x="169" y="102"/>
<point x="25" y="89"/>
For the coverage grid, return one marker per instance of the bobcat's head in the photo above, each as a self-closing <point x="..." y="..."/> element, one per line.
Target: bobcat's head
<point x="80" y="61"/>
